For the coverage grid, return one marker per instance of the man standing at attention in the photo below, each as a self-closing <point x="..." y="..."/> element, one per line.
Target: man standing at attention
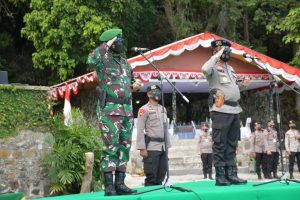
<point x="224" y="112"/>
<point x="151" y="135"/>
<point x="292" y="147"/>
<point x="205" y="150"/>
<point x="114" y="108"/>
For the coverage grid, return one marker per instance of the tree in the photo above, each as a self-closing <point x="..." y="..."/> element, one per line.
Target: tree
<point x="64" y="31"/>
<point x="291" y="26"/>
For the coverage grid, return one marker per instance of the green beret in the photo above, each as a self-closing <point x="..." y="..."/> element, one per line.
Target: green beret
<point x="110" y="34"/>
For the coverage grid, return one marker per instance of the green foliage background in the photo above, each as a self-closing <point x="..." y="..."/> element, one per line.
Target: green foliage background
<point x="22" y="109"/>
<point x="66" y="161"/>
<point x="54" y="37"/>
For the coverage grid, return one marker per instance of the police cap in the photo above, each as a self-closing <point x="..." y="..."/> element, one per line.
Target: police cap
<point x="292" y="122"/>
<point x="216" y="43"/>
<point x="152" y="87"/>
<point x="110" y="34"/>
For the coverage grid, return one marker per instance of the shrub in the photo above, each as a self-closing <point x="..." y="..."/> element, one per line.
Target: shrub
<point x="66" y="162"/>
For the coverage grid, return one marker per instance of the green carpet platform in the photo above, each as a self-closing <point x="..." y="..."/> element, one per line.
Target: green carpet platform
<point x="12" y="196"/>
<point x="203" y="190"/>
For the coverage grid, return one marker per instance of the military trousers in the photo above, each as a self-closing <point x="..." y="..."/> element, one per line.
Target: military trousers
<point x="206" y="159"/>
<point x="116" y="132"/>
<point x="155" y="167"/>
<point x="292" y="157"/>
<point x="225" y="133"/>
<point x="272" y="162"/>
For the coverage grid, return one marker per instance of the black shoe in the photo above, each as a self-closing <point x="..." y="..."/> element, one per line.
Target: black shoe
<point x="220" y="177"/>
<point x="205" y="176"/>
<point x="109" y="184"/>
<point x="275" y="175"/>
<point x="120" y="186"/>
<point x="291" y="175"/>
<point x="231" y="172"/>
<point x="259" y="176"/>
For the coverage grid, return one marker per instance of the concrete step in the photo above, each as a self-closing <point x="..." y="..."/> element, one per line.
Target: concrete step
<point x="185" y="172"/>
<point x="184" y="142"/>
<point x="184" y="159"/>
<point x="182" y="152"/>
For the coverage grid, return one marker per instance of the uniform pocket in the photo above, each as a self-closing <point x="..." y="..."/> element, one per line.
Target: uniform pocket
<point x="217" y="126"/>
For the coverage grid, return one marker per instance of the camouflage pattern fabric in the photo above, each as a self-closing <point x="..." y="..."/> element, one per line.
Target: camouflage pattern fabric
<point x="116" y="135"/>
<point x="115" y="120"/>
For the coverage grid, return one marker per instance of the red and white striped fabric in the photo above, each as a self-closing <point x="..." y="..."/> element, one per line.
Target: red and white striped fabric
<point x="204" y="39"/>
<point x="67" y="107"/>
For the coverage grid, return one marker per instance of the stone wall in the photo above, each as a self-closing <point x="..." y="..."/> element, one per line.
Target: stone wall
<point x="21" y="167"/>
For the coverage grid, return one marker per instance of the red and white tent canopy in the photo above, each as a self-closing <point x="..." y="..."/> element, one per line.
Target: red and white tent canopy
<point x="181" y="62"/>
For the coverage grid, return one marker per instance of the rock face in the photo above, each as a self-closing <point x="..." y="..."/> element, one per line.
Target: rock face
<point x="21" y="167"/>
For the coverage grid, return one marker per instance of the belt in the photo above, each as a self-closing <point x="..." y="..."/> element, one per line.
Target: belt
<point x="118" y="100"/>
<point x="231" y="103"/>
<point x="153" y="139"/>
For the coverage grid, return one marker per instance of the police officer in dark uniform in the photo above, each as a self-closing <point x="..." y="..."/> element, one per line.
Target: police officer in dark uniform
<point x="151" y="131"/>
<point x="224" y="108"/>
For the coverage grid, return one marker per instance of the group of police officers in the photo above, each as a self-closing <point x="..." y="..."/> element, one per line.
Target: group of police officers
<point x="114" y="111"/>
<point x="265" y="149"/>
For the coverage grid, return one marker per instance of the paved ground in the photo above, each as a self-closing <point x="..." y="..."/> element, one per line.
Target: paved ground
<point x="137" y="181"/>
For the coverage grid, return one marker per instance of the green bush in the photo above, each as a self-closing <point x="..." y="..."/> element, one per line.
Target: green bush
<point x="23" y="108"/>
<point x="66" y="162"/>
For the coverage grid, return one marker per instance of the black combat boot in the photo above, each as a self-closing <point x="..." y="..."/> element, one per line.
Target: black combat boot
<point x="109" y="184"/>
<point x="231" y="175"/>
<point x="221" y="177"/>
<point x="120" y="186"/>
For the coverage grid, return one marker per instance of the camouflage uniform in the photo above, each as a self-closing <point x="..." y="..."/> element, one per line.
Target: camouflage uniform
<point x="115" y="118"/>
<point x="292" y="145"/>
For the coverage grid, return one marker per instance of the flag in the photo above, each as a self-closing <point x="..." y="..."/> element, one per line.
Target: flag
<point x="67" y="107"/>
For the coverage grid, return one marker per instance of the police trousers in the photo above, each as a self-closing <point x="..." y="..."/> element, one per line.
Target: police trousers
<point x="155" y="167"/>
<point x="206" y="159"/>
<point x="272" y="162"/>
<point x="292" y="158"/>
<point x="225" y="133"/>
<point x="261" y="163"/>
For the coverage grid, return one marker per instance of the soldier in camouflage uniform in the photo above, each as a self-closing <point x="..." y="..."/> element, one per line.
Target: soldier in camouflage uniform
<point x="114" y="108"/>
<point x="151" y="131"/>
<point x="292" y="146"/>
<point x="271" y="149"/>
<point x="205" y="150"/>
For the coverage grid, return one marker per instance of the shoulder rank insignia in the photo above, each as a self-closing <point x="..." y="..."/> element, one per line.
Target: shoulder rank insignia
<point x="141" y="112"/>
